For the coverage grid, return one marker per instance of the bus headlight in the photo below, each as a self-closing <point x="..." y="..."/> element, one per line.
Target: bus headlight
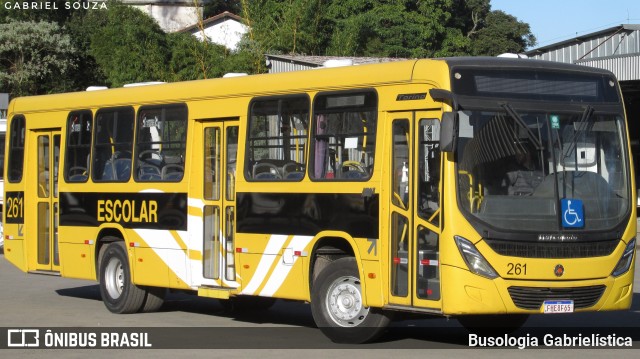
<point x="475" y="261"/>
<point x="625" y="261"/>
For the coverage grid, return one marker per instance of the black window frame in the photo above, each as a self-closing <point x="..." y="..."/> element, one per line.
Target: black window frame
<point x="128" y="110"/>
<point x="250" y="161"/>
<point x="72" y="128"/>
<point x="372" y="107"/>
<point x="160" y="163"/>
<point x="18" y="127"/>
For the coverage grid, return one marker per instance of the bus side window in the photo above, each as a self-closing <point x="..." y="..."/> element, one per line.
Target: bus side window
<point x="277" y="138"/>
<point x="344" y="132"/>
<point x="78" y="152"/>
<point x="429" y="170"/>
<point x="16" y="149"/>
<point x="112" y="145"/>
<point x="161" y="143"/>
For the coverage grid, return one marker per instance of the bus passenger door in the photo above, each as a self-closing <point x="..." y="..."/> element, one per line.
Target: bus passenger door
<point x="401" y="221"/>
<point x="414" y="211"/>
<point x="426" y="213"/>
<point x="44" y="163"/>
<point x="220" y="140"/>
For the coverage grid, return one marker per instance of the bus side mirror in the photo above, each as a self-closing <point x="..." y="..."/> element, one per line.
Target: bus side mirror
<point x="449" y="132"/>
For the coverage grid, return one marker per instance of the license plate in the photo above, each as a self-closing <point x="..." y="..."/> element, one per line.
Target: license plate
<point x="557" y="306"/>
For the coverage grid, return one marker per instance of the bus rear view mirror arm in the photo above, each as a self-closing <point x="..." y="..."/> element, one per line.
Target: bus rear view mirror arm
<point x="449" y="132"/>
<point x="449" y="124"/>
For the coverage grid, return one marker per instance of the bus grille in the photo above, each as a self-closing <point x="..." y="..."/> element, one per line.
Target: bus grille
<point x="552" y="250"/>
<point x="532" y="298"/>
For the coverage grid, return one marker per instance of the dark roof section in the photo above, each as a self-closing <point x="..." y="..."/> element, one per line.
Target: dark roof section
<point x="503" y="62"/>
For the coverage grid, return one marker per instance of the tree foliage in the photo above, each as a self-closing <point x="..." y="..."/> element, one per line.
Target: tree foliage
<point x="121" y="44"/>
<point x="128" y="45"/>
<point x="193" y="59"/>
<point x="501" y="33"/>
<point x="215" y="7"/>
<point x="35" y="57"/>
<point x="384" y="28"/>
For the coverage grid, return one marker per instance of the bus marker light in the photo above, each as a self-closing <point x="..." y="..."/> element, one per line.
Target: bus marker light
<point x="371" y="276"/>
<point x="429" y="262"/>
<point x="88" y="241"/>
<point x="242" y="250"/>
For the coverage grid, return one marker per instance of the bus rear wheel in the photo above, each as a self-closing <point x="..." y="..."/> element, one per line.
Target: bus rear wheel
<point x="337" y="305"/>
<point x="153" y="300"/>
<point x="118" y="293"/>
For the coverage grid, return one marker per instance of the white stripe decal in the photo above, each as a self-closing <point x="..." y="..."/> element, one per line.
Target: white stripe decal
<point x="298" y="243"/>
<point x="166" y="247"/>
<point x="195" y="202"/>
<point x="271" y="253"/>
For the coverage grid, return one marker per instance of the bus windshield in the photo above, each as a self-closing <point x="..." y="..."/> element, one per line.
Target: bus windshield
<point x="520" y="169"/>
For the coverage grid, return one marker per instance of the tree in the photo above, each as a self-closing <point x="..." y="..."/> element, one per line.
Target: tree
<point x="292" y="26"/>
<point x="383" y="28"/>
<point x="193" y="59"/>
<point x="59" y="13"/>
<point x="215" y="7"/>
<point x="35" y="58"/>
<point x="128" y="45"/>
<point x="502" y="33"/>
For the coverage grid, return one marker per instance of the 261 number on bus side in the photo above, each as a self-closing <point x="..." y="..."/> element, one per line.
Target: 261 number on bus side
<point x="14" y="208"/>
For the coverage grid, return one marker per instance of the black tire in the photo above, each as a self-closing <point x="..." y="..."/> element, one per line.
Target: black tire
<point x="336" y="305"/>
<point x="154" y="299"/>
<point x="493" y="324"/>
<point x="119" y="295"/>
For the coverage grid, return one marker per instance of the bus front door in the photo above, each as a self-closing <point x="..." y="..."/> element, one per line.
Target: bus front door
<point x="44" y="163"/>
<point x="220" y="141"/>
<point x="414" y="211"/>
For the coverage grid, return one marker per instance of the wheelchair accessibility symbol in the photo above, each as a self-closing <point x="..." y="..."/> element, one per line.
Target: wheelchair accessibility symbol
<point x="572" y="213"/>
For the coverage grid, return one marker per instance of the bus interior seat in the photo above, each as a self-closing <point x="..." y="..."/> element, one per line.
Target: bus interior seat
<point x="266" y="171"/>
<point x="172" y="172"/>
<point x="293" y="171"/>
<point x="294" y="175"/>
<point x="149" y="173"/>
<point x="122" y="168"/>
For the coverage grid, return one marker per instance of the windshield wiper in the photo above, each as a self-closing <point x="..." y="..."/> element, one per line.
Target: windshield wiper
<point x="530" y="135"/>
<point x="573" y="140"/>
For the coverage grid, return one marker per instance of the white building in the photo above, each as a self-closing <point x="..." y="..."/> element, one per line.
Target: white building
<point x="225" y="29"/>
<point x="171" y="15"/>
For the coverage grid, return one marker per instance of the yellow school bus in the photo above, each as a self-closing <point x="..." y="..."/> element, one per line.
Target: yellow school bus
<point x="485" y="189"/>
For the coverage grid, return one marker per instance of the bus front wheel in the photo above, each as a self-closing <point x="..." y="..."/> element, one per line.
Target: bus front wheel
<point x="118" y="293"/>
<point x="337" y="305"/>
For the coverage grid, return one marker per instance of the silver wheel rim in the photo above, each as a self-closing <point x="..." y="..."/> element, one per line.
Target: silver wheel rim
<point x="344" y="302"/>
<point x="114" y="278"/>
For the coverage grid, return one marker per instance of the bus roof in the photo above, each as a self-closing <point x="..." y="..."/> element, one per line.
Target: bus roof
<point x="264" y="84"/>
<point x="281" y="83"/>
